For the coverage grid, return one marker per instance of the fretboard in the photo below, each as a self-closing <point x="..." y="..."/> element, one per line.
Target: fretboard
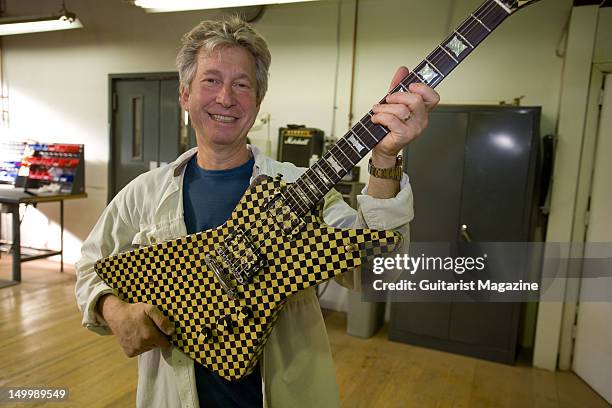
<point x="312" y="186"/>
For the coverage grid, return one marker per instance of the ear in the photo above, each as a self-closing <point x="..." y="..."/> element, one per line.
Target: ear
<point x="184" y="97"/>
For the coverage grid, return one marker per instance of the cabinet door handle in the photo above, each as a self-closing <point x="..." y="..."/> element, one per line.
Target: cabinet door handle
<point x="464" y="233"/>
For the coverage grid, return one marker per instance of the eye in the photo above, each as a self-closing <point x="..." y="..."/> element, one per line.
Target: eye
<point x="211" y="81"/>
<point x="242" y="85"/>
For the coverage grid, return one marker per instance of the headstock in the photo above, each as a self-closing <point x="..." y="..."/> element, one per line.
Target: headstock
<point x="515" y="5"/>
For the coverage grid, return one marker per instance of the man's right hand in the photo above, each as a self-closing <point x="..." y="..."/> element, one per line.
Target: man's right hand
<point x="139" y="327"/>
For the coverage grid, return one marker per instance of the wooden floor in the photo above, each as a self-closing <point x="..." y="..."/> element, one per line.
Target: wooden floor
<point x="42" y="343"/>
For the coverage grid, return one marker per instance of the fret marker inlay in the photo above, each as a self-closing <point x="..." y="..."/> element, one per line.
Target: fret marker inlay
<point x="428" y="74"/>
<point x="301" y="193"/>
<point x="335" y="165"/>
<point x="358" y="146"/>
<point x="456" y="46"/>
<point x="322" y="175"/>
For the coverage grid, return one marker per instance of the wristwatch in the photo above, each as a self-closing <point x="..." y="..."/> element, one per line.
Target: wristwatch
<point x="393" y="173"/>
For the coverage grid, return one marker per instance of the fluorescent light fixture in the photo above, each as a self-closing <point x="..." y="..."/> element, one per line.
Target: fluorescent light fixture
<point x="64" y="20"/>
<point x="161" y="6"/>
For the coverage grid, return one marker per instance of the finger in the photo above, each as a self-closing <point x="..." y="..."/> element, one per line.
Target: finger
<point x="161" y="321"/>
<point x="430" y="97"/>
<point x="391" y="122"/>
<point x="413" y="101"/>
<point x="402" y="111"/>
<point x="404" y="98"/>
<point x="412" y="128"/>
<point x="400" y="74"/>
<point x="160" y="340"/>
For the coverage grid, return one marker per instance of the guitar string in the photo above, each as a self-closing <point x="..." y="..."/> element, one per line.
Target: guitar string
<point x="469" y="24"/>
<point x="471" y="20"/>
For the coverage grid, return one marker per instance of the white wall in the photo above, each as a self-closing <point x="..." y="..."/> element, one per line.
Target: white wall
<point x="603" y="44"/>
<point x="58" y="81"/>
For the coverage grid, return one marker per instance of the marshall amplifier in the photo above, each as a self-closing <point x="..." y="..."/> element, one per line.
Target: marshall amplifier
<point x="297" y="143"/>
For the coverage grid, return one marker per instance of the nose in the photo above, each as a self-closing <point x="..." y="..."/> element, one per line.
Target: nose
<point x="225" y="96"/>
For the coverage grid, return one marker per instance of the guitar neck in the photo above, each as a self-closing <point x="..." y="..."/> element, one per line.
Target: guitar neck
<point x="312" y="186"/>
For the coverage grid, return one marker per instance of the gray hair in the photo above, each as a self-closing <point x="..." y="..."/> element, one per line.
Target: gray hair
<point x="212" y="35"/>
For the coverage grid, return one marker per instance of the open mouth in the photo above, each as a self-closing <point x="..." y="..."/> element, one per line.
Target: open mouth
<point x="223" y="118"/>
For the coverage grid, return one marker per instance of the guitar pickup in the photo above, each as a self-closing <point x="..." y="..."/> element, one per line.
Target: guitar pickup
<point x="241" y="256"/>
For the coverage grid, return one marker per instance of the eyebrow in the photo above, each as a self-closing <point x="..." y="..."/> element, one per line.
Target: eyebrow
<point x="218" y="73"/>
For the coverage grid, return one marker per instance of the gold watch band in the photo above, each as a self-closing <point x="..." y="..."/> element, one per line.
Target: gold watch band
<point x="393" y="173"/>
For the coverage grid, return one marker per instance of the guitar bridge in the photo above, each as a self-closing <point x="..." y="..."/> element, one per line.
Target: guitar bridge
<point x="242" y="258"/>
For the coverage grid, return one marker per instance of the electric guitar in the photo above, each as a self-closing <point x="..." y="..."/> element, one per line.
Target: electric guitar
<point x="224" y="288"/>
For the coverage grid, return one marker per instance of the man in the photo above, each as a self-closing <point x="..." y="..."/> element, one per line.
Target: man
<point x="223" y="69"/>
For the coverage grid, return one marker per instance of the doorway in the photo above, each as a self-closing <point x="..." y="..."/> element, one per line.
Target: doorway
<point x="147" y="126"/>
<point x="593" y="345"/>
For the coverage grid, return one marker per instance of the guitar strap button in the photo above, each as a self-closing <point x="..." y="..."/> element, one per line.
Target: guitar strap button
<point x="351" y="247"/>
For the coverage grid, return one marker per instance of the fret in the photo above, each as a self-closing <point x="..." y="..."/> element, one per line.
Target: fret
<point x="444" y="62"/>
<point x="357" y="142"/>
<point x="379" y="127"/>
<point x="429" y="76"/>
<point x="366" y="128"/>
<point x="411" y="78"/>
<point x="304" y="192"/>
<point x="345" y="166"/>
<point x="503" y="6"/>
<point x="448" y="53"/>
<point x="312" y="184"/>
<point x="321" y="174"/>
<point x="352" y="149"/>
<point x="296" y="201"/>
<point x="488" y="15"/>
<point x="481" y="23"/>
<point x="334" y="163"/>
<point x="311" y="172"/>
<point x="472" y="31"/>
<point x="491" y="15"/>
<point x="420" y="78"/>
<point x="457" y="47"/>
<point x="464" y="39"/>
<point x="322" y="177"/>
<point x="360" y="141"/>
<point x="331" y="173"/>
<point x="298" y="195"/>
<point x="434" y="67"/>
<point x="348" y="151"/>
<point x="377" y="131"/>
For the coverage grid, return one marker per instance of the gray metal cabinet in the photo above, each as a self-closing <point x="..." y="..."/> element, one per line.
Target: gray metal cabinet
<point x="474" y="165"/>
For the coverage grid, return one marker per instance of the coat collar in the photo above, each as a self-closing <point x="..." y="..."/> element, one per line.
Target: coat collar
<point x="178" y="166"/>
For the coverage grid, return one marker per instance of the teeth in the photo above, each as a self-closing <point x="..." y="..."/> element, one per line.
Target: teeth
<point x="221" y="118"/>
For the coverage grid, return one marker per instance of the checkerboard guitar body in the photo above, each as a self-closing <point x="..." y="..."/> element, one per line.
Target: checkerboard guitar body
<point x="227" y="333"/>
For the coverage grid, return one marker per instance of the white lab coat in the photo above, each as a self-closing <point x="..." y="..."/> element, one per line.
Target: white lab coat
<point x="297" y="367"/>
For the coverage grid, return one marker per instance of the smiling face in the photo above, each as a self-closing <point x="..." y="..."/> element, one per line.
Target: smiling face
<point x="222" y="98"/>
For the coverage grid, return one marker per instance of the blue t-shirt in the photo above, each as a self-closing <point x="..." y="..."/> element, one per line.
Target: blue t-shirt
<point x="209" y="197"/>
